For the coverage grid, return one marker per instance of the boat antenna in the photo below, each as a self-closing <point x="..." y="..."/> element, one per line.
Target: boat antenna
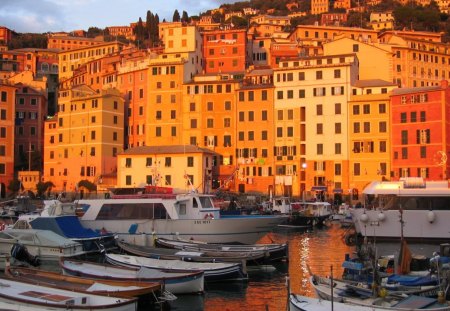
<point x="331" y="287"/>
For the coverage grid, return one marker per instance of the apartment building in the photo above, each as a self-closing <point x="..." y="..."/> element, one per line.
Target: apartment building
<point x="31" y="110"/>
<point x="67" y="43"/>
<point x="183" y="168"/>
<point x="329" y="33"/>
<point x="333" y="19"/>
<point x="83" y="140"/>
<point x="7" y="118"/>
<point x="311" y="113"/>
<point x="270" y="19"/>
<point x="319" y="6"/>
<point x="255" y="132"/>
<point x="369" y="134"/>
<point x="125" y="31"/>
<point x="71" y="60"/>
<point x="224" y="50"/>
<point x="366" y="52"/>
<point x="5" y="35"/>
<point x="420" y="131"/>
<point x="209" y="121"/>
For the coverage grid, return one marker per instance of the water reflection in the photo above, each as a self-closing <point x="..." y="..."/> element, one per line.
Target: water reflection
<point x="318" y="249"/>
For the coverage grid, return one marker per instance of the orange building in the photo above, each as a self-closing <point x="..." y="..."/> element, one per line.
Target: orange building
<point x="255" y="132"/>
<point x="5" y="35"/>
<point x="125" y="31"/>
<point x="420" y="131"/>
<point x="67" y="43"/>
<point x="31" y="109"/>
<point x="327" y="33"/>
<point x="209" y="121"/>
<point x="224" y="51"/>
<point x="7" y="114"/>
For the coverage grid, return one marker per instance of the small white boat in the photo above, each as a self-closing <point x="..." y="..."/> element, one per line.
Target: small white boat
<point x="45" y="244"/>
<point x="214" y="271"/>
<point x="174" y="282"/>
<point x="303" y="303"/>
<point x="22" y="296"/>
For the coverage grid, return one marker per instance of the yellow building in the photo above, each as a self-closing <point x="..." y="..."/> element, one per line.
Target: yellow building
<point x="319" y="6"/>
<point x="181" y="167"/>
<point x="83" y="140"/>
<point x="71" y="60"/>
<point x="369" y="135"/>
<point x="366" y="52"/>
<point x="311" y="146"/>
<point x="327" y="33"/>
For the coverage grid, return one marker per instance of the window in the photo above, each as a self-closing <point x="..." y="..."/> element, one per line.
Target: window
<point x="319" y="128"/>
<point x="423" y="152"/>
<point x="356" y="127"/>
<point x="356" y="109"/>
<point x="148" y="162"/>
<point x="404" y="153"/>
<point x="319" y="75"/>
<point x="251" y="116"/>
<point x="264" y="95"/>
<point x="263" y="135"/>
<point x="366" y="127"/>
<point x="319" y="110"/>
<point x="301" y="76"/>
<point x="319" y="148"/>
<point x="337" y="128"/>
<point x="128" y="162"/>
<point x="403" y="118"/>
<point x="128" y="180"/>
<point x="301" y="93"/>
<point x="190" y="161"/>
<point x="93" y="135"/>
<point x="264" y="115"/>
<point x="404" y="134"/>
<point x="209" y="123"/>
<point x="227" y="140"/>
<point x="337" y="169"/>
<point x="158" y="131"/>
<point x="168" y="162"/>
<point x="413" y="116"/>
<point x="173" y="131"/>
<point x="227" y="105"/>
<point x="356" y="169"/>
<point x="251" y="135"/>
<point x="383" y="146"/>
<point x="382" y="127"/>
<point x="168" y="179"/>
<point x="337" y="148"/>
<point x="3" y="114"/>
<point x="173" y="114"/>
<point x="241" y="136"/>
<point x="366" y="109"/>
<point x="337" y="73"/>
<point x="279" y="132"/>
<point x="337" y="108"/>
<point x="423" y="116"/>
<point x="241" y="116"/>
<point x="382" y="108"/>
<point x="4" y="96"/>
<point x="290" y="131"/>
<point x="279" y="94"/>
<point x="226" y="122"/>
<point x="193" y="123"/>
<point x="210" y="106"/>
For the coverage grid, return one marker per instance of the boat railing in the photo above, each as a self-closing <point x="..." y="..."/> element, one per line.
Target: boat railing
<point x="144" y="196"/>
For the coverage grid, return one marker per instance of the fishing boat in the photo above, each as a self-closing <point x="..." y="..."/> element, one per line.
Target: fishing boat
<point x="174" y="282"/>
<point x="273" y="252"/>
<point x="23" y="296"/>
<point x="308" y="213"/>
<point x="126" y="289"/>
<point x="197" y="256"/>
<point x="43" y="244"/>
<point x="214" y="271"/>
<point x="139" y="218"/>
<point x="61" y="218"/>
<point x="423" y="207"/>
<point x="360" y="295"/>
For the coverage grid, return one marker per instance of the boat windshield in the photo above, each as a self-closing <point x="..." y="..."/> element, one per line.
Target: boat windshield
<point x="119" y="211"/>
<point x="409" y="202"/>
<point x="206" y="202"/>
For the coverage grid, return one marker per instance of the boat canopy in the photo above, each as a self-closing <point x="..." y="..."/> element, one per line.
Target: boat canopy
<point x="67" y="226"/>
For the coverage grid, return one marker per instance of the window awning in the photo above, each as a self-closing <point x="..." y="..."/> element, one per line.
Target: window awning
<point x="319" y="188"/>
<point x="338" y="190"/>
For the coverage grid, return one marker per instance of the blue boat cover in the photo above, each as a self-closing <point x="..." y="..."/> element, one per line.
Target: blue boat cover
<point x="411" y="280"/>
<point x="67" y="226"/>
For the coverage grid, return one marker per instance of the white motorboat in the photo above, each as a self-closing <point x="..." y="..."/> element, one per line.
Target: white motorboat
<point x="22" y="296"/>
<point x="138" y="219"/>
<point x="43" y="244"/>
<point x="214" y="271"/>
<point x="174" y="282"/>
<point x="416" y="209"/>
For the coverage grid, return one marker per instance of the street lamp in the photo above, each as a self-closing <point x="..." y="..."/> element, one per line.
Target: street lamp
<point x="304" y="166"/>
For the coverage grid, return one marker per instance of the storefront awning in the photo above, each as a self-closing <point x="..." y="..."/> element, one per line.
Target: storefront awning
<point x="338" y="190"/>
<point x="319" y="188"/>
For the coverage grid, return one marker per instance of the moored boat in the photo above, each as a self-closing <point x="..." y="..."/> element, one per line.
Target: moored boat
<point x="214" y="271"/>
<point x="197" y="256"/>
<point x="423" y="207"/>
<point x="273" y="252"/>
<point x="304" y="303"/>
<point x="43" y="244"/>
<point x="139" y="218"/>
<point x="174" y="282"/>
<point x="126" y="289"/>
<point x="15" y="295"/>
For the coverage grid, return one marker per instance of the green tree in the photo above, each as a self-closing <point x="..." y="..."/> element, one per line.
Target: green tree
<point x="90" y="186"/>
<point x="185" y="17"/>
<point x="94" y="32"/>
<point x="176" y="16"/>
<point x="15" y="186"/>
<point x="139" y="32"/>
<point x="43" y="187"/>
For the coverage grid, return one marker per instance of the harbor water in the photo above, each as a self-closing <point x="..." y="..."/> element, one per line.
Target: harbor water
<point x="266" y="288"/>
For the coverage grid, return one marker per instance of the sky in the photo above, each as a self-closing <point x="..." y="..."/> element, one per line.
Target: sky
<point x="39" y="16"/>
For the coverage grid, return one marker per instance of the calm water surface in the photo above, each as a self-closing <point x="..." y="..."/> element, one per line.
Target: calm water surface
<point x="319" y="249"/>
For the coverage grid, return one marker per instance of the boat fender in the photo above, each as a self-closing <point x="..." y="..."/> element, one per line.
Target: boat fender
<point x="431" y="216"/>
<point x="2" y="226"/>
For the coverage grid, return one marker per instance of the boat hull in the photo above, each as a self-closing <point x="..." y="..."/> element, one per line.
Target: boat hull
<point x="417" y="225"/>
<point x="229" y="229"/>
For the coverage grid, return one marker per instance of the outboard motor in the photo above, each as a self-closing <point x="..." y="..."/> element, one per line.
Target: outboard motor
<point x="20" y="252"/>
